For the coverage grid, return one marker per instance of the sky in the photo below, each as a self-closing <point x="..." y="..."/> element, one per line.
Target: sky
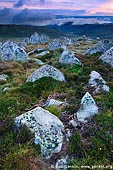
<point x="90" y="6"/>
<point x="12" y="11"/>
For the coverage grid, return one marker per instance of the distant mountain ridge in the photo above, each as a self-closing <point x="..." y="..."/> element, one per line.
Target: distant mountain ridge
<point x="103" y="31"/>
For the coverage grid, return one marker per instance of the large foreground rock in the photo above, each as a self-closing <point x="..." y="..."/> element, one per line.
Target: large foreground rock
<point x="68" y="57"/>
<point x="11" y="51"/>
<point x="97" y="82"/>
<point x="46" y="127"/>
<point x="107" y="57"/>
<point x="101" y="46"/>
<point x="46" y="71"/>
<point x="87" y="109"/>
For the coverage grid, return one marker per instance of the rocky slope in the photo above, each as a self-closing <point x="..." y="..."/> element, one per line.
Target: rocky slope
<point x="59" y="115"/>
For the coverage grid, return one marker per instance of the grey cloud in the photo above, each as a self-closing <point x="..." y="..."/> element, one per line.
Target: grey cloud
<point x="42" y="2"/>
<point x="32" y="17"/>
<point x="6" y="16"/>
<point x="29" y="2"/>
<point x="68" y="3"/>
<point x="37" y="17"/>
<point x="26" y="16"/>
<point x="20" y="3"/>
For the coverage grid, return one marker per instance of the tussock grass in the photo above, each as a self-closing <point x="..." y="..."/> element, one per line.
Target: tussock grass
<point x="84" y="145"/>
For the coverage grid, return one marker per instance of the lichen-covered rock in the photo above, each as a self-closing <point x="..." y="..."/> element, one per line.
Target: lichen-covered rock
<point x="46" y="71"/>
<point x="67" y="41"/>
<point x="3" y="77"/>
<point x="46" y="127"/>
<point x="87" y="109"/>
<point x="101" y="46"/>
<point x="44" y="38"/>
<point x="107" y="57"/>
<point x="97" y="82"/>
<point x="26" y="41"/>
<point x="68" y="57"/>
<point x="37" y="39"/>
<point x="54" y="45"/>
<point x="11" y="51"/>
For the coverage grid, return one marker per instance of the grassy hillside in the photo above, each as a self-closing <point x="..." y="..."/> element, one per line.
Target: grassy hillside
<point x="91" y="143"/>
<point x="104" y="31"/>
<point x="21" y="31"/>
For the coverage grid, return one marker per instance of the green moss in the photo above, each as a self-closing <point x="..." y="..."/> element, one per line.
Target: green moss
<point x="99" y="134"/>
<point x="74" y="143"/>
<point x="91" y="145"/>
<point x="42" y="85"/>
<point x="17" y="160"/>
<point x="8" y="106"/>
<point x="22" y="134"/>
<point x="54" y="110"/>
<point x="75" y="69"/>
<point x="16" y="146"/>
<point x="98" y="54"/>
<point x="89" y="163"/>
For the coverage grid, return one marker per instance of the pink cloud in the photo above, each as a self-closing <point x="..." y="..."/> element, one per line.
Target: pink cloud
<point x="90" y="6"/>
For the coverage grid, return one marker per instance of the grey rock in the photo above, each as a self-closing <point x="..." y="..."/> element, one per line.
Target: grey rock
<point x="107" y="57"/>
<point x="44" y="38"/>
<point x="11" y="51"/>
<point x="3" y="77"/>
<point x="36" y="51"/>
<point x="0" y="45"/>
<point x="26" y="41"/>
<point x="42" y="53"/>
<point x="46" y="127"/>
<point x="68" y="57"/>
<point x="5" y="89"/>
<point x="31" y="52"/>
<point x="54" y="45"/>
<point x="101" y="46"/>
<point x="97" y="82"/>
<point x="61" y="164"/>
<point x="67" y="41"/>
<point x="46" y="71"/>
<point x="37" y="39"/>
<point x="54" y="102"/>
<point x="74" y="123"/>
<point x="87" y="109"/>
<point x="38" y="61"/>
<point x="69" y="133"/>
